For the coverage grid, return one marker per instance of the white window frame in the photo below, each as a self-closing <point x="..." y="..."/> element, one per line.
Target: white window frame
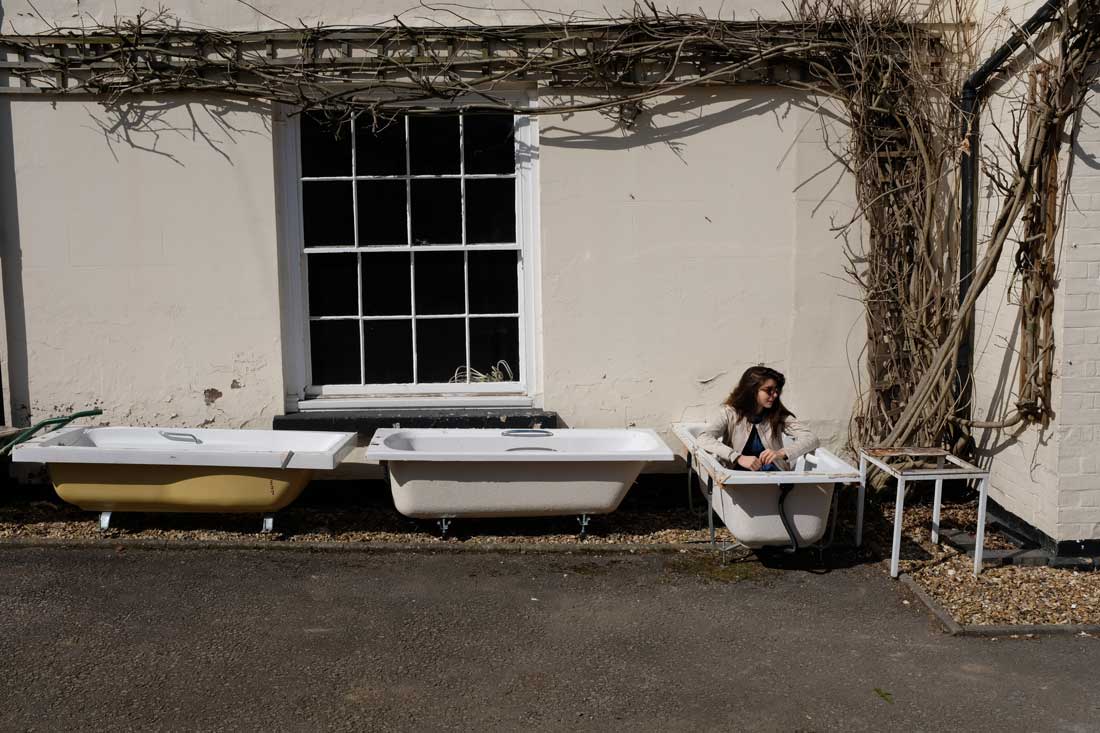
<point x="294" y="303"/>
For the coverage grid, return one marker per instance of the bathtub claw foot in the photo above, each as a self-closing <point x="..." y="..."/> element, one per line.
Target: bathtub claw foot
<point x="444" y="525"/>
<point x="104" y="521"/>
<point x="269" y="524"/>
<point x="583" y="521"/>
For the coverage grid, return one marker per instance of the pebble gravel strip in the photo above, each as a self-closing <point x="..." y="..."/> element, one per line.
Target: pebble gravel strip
<point x="1000" y="596"/>
<point x="49" y="520"/>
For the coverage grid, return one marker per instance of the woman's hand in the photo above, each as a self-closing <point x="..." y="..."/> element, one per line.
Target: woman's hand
<point x="750" y="463"/>
<point x="771" y="456"/>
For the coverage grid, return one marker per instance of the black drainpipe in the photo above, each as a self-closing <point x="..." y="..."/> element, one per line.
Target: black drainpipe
<point x="972" y="95"/>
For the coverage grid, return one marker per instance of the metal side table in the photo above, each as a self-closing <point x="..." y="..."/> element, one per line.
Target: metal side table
<point x="947" y="467"/>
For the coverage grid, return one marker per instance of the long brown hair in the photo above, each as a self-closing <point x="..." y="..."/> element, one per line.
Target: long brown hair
<point x="743" y="397"/>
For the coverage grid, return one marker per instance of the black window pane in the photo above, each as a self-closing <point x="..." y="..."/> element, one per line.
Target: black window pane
<point x="433" y="144"/>
<point x="493" y="282"/>
<point x="326" y="148"/>
<point x="387" y="352"/>
<point x="382" y="217"/>
<point x="440" y="349"/>
<point x="490" y="144"/>
<point x="386" y="284"/>
<point x="333" y="285"/>
<point x="326" y="213"/>
<point x="491" y="211"/>
<point x="379" y="147"/>
<point x="436" y="212"/>
<point x="334" y="351"/>
<point x="440" y="285"/>
<point x="494" y="348"/>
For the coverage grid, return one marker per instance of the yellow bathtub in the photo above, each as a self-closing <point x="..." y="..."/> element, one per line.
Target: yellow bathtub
<point x="137" y="488"/>
<point x="170" y="470"/>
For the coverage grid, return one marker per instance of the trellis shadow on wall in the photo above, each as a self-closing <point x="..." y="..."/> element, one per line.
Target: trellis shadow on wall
<point x="736" y="106"/>
<point x="143" y="124"/>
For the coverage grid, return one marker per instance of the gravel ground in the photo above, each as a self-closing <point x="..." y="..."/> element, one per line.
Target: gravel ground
<point x="1000" y="595"/>
<point x="1008" y="595"/>
<point x="333" y="515"/>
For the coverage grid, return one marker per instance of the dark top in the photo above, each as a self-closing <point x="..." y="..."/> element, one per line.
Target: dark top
<point x="754" y="446"/>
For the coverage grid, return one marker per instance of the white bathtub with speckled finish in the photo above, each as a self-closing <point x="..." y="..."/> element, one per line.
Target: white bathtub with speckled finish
<point x="436" y="473"/>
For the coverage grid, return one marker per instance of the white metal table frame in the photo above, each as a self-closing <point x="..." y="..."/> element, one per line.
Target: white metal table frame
<point x="959" y="469"/>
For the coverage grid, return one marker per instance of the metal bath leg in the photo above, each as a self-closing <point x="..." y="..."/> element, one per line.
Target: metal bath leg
<point x="833" y="511"/>
<point x="860" y="499"/>
<point x="691" y="501"/>
<point x="583" y="521"/>
<point x="710" y="508"/>
<point x="899" y="508"/>
<point x="269" y="524"/>
<point x="979" y="539"/>
<point x="444" y="524"/>
<point x="104" y="521"/>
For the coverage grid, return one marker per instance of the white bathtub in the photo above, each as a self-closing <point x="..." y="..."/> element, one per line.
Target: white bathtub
<point x="444" y="473"/>
<point x="747" y="502"/>
<point x="183" y="470"/>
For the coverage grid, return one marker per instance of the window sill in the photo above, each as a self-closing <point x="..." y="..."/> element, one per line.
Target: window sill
<point x="316" y="404"/>
<point x="366" y="421"/>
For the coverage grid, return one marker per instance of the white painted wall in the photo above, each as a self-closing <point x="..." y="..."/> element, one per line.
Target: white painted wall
<point x="1048" y="478"/>
<point x="1079" y="287"/>
<point x="140" y="262"/>
<point x="676" y="256"/>
<point x="672" y="258"/>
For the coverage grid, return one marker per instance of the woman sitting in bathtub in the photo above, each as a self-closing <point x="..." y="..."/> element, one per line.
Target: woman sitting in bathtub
<point x="747" y="433"/>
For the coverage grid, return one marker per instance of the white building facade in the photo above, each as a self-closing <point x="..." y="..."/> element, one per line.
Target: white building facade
<point x="202" y="261"/>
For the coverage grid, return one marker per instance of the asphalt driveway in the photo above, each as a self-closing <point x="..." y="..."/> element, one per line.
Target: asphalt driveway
<point x="270" y="640"/>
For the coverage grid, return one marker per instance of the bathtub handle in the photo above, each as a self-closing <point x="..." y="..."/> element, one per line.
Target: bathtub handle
<point x="180" y="437"/>
<point x="527" y="433"/>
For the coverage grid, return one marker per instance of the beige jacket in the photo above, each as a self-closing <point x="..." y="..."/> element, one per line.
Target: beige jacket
<point x="725" y="435"/>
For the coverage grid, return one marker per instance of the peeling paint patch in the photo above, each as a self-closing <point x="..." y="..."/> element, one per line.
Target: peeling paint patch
<point x="211" y="395"/>
<point x="708" y="380"/>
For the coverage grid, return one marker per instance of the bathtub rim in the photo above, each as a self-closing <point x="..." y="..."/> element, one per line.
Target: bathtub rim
<point x="378" y="451"/>
<point x="43" y="450"/>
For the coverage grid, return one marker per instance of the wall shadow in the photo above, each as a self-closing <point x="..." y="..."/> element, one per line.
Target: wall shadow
<point x="17" y="411"/>
<point x="738" y="104"/>
<point x="142" y="124"/>
<point x="994" y="440"/>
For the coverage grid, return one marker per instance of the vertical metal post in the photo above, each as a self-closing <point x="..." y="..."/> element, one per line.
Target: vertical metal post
<point x="979" y="539"/>
<point x="691" y="501"/>
<point x="710" y="507"/>
<point x="937" y="503"/>
<point x="861" y="498"/>
<point x="899" y="508"/>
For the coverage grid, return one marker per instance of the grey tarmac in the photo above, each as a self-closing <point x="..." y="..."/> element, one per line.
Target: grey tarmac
<point x="197" y="640"/>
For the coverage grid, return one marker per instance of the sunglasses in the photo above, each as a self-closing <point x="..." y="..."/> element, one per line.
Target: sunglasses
<point x="771" y="390"/>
